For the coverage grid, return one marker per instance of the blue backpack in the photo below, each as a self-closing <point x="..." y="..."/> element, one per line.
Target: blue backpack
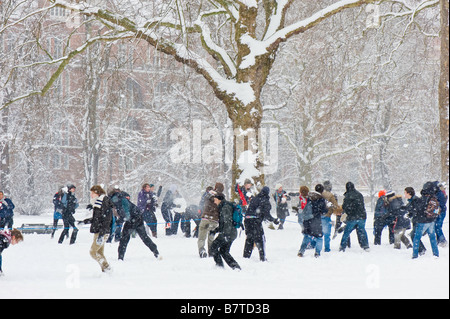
<point x="237" y="215"/>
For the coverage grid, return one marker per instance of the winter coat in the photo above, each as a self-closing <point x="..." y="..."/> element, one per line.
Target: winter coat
<point x="419" y="215"/>
<point x="5" y="240"/>
<point x="226" y="227"/>
<point x="282" y="208"/>
<point x="260" y="207"/>
<point x="121" y="206"/>
<point x="257" y="212"/>
<point x="102" y="216"/>
<point x="313" y="226"/>
<point x="244" y="199"/>
<point x="353" y="204"/>
<point x="333" y="207"/>
<point x="70" y="204"/>
<point x="6" y="208"/>
<point x="380" y="208"/>
<point x="413" y="207"/>
<point x="146" y="201"/>
<point x="168" y="203"/>
<point x="396" y="213"/>
<point x="136" y="215"/>
<point x="58" y="205"/>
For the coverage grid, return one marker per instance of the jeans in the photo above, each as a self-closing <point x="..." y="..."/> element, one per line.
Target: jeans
<point x="326" y="230"/>
<point x="420" y="230"/>
<point x="309" y="239"/>
<point x="360" y="225"/>
<point x="438" y="228"/>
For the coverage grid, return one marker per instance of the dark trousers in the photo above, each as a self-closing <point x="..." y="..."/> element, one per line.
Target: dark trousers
<point x="139" y="227"/>
<point x="378" y="227"/>
<point x="150" y="220"/>
<point x="68" y="221"/>
<point x="6" y="222"/>
<point x="55" y="226"/>
<point x="220" y="248"/>
<point x="175" y="223"/>
<point x="255" y="236"/>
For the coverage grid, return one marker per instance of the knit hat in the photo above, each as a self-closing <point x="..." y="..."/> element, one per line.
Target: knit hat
<point x="381" y="193"/>
<point x="319" y="188"/>
<point x="327" y="186"/>
<point x="390" y="193"/>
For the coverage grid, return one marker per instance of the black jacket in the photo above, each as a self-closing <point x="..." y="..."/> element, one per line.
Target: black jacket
<point x="396" y="213"/>
<point x="102" y="217"/>
<point x="353" y="204"/>
<point x="5" y="240"/>
<point x="418" y="214"/>
<point x="226" y="227"/>
<point x="260" y="207"/>
<point x="313" y="226"/>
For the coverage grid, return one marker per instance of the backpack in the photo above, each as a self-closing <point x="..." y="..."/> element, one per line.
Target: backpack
<point x="432" y="209"/>
<point x="237" y="215"/>
<point x="307" y="211"/>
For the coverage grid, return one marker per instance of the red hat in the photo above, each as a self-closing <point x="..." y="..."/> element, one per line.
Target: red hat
<point x="382" y="193"/>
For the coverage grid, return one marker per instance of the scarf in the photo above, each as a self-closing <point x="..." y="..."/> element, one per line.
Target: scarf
<point x="97" y="201"/>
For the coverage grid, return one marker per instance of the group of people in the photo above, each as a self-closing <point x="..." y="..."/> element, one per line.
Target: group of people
<point x="423" y="215"/>
<point x="116" y="217"/>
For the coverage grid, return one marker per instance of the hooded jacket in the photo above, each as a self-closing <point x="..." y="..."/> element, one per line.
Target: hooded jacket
<point x="353" y="204"/>
<point x="260" y="206"/>
<point x="226" y="227"/>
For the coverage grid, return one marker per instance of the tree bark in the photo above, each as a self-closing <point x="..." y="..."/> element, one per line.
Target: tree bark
<point x="444" y="90"/>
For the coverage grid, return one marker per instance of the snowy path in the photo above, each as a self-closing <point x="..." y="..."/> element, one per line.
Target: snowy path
<point x="40" y="268"/>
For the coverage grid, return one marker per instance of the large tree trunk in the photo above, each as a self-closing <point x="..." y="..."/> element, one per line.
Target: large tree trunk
<point x="444" y="90"/>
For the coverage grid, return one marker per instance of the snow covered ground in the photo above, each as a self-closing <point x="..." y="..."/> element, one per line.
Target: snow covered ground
<point x="41" y="268"/>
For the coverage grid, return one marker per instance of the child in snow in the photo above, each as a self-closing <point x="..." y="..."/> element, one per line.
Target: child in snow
<point x="7" y="238"/>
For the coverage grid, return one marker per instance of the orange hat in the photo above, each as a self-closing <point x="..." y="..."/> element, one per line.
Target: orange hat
<point x="382" y="193"/>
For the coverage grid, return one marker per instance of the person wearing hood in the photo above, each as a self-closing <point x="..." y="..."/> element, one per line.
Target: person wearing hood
<point x="257" y="212"/>
<point x="312" y="231"/>
<point x="356" y="216"/>
<point x="166" y="209"/>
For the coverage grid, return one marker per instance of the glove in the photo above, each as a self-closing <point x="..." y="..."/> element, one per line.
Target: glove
<point x="276" y="221"/>
<point x="89" y="207"/>
<point x="99" y="240"/>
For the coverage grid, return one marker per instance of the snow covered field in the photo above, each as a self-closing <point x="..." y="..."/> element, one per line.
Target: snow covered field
<point x="41" y="268"/>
